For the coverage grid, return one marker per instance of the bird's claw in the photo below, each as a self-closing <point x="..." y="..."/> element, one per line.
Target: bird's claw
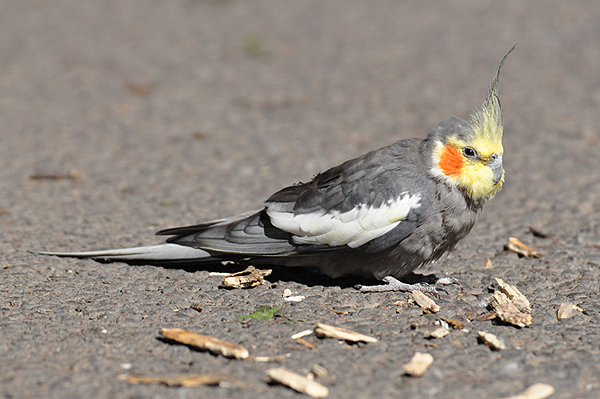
<point x="393" y="284"/>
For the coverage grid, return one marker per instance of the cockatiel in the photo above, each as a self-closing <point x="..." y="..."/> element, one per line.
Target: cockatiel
<point x="383" y="214"/>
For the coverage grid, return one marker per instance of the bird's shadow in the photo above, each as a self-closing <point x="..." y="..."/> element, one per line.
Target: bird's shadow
<point x="310" y="277"/>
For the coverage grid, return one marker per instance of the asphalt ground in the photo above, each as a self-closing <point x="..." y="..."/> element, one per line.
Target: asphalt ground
<point x="119" y="118"/>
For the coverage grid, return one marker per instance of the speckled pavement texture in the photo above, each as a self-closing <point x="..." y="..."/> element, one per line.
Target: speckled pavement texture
<point x="154" y="114"/>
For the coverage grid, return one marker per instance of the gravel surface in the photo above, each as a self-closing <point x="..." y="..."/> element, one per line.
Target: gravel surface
<point x="119" y="118"/>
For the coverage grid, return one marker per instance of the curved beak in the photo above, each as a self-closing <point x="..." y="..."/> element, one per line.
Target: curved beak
<point x="496" y="165"/>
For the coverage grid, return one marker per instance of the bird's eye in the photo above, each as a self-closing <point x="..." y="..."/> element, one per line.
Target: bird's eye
<point x="469" y="152"/>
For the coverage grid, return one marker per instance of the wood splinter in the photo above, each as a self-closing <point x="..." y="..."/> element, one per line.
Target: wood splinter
<point x="204" y="342"/>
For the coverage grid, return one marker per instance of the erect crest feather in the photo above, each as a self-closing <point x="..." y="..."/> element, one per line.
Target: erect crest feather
<point x="487" y="121"/>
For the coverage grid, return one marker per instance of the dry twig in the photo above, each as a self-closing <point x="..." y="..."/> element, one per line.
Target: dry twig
<point x="518" y="247"/>
<point x="251" y="277"/>
<point x="302" y="334"/>
<point x="204" y="342"/>
<point x="324" y="330"/>
<point x="306" y="343"/>
<point x="426" y="303"/>
<point x="298" y="382"/>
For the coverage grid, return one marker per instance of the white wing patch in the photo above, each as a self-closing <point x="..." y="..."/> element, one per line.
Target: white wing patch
<point x="353" y="228"/>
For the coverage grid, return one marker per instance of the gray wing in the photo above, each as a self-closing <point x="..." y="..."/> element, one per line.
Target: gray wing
<point x="249" y="234"/>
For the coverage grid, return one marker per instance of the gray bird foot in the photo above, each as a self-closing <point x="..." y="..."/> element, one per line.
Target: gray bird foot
<point x="393" y="284"/>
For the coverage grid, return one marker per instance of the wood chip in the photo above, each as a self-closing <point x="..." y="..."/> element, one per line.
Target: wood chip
<point x="568" y="310"/>
<point x="491" y="341"/>
<point x="302" y="334"/>
<point x="298" y="382"/>
<point x="456" y="324"/>
<point x="324" y="330"/>
<point x="486" y="316"/>
<point x="196" y="307"/>
<point x="426" y="303"/>
<point x="518" y="247"/>
<point x="536" y="391"/>
<point x="318" y="370"/>
<point x="185" y="380"/>
<point x="418" y="365"/>
<point x="306" y="343"/>
<point x="488" y="264"/>
<point x="203" y="342"/>
<point x="295" y="298"/>
<point x="342" y="312"/>
<point x="439" y="332"/>
<point x="514" y="295"/>
<point x="251" y="277"/>
<point x="263" y="359"/>
<point x="507" y="311"/>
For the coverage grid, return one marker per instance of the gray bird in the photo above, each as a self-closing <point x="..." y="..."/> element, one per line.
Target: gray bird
<point x="383" y="214"/>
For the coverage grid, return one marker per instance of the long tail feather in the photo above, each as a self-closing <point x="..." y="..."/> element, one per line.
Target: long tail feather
<point x="163" y="252"/>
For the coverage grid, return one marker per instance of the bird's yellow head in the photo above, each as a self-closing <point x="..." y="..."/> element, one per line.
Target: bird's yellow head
<point x="468" y="155"/>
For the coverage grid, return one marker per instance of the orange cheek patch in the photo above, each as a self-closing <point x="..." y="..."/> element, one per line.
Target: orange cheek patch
<point x="451" y="161"/>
